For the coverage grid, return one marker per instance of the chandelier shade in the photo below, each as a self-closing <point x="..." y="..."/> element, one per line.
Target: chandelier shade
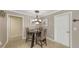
<point x="37" y="20"/>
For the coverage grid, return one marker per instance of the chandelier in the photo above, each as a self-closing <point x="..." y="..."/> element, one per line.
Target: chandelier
<point x="37" y="20"/>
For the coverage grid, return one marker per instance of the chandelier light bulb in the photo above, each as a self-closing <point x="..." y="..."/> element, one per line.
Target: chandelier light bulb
<point x="37" y="22"/>
<point x="35" y="19"/>
<point x="40" y="20"/>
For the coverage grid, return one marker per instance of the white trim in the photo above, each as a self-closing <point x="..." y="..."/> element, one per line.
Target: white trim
<point x="5" y="44"/>
<point x="49" y="13"/>
<point x="7" y="33"/>
<point x="22" y="22"/>
<point x="15" y="15"/>
<point x="7" y="26"/>
<point x="70" y="40"/>
<point x="70" y="29"/>
<point x="33" y="15"/>
<point x="54" y="41"/>
<point x="50" y="39"/>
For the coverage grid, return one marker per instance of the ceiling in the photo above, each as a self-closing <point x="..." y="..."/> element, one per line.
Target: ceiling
<point x="32" y="12"/>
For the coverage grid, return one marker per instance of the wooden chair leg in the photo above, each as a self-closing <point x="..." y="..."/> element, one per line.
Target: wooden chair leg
<point x="45" y="41"/>
<point x="32" y="43"/>
<point x="41" y="44"/>
<point x="26" y="39"/>
<point x="36" y="40"/>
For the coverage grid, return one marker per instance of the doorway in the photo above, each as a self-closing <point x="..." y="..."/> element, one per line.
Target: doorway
<point x="15" y="27"/>
<point x="62" y="29"/>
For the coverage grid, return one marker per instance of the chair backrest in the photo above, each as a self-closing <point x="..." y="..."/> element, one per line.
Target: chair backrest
<point x="27" y="32"/>
<point x="40" y="28"/>
<point x="43" y="33"/>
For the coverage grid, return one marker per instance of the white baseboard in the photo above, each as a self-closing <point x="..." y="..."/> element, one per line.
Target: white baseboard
<point x="5" y="44"/>
<point x="50" y="39"/>
<point x="55" y="41"/>
<point x="15" y="36"/>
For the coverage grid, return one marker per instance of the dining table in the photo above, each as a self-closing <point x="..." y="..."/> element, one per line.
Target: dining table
<point x="33" y="32"/>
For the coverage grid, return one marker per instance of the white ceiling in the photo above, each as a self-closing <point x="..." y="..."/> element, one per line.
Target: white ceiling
<point x="32" y="12"/>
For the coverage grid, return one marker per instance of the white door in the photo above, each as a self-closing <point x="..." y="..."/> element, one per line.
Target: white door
<point x="15" y="26"/>
<point x="62" y="28"/>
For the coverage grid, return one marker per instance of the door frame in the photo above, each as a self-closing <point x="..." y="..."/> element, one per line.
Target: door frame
<point x="8" y="15"/>
<point x="70" y="27"/>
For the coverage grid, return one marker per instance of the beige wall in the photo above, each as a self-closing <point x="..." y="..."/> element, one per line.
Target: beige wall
<point x="3" y="30"/>
<point x="75" y="36"/>
<point x="50" y="31"/>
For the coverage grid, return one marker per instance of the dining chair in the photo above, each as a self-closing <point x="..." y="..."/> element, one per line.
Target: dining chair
<point x="41" y="37"/>
<point x="28" y="35"/>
